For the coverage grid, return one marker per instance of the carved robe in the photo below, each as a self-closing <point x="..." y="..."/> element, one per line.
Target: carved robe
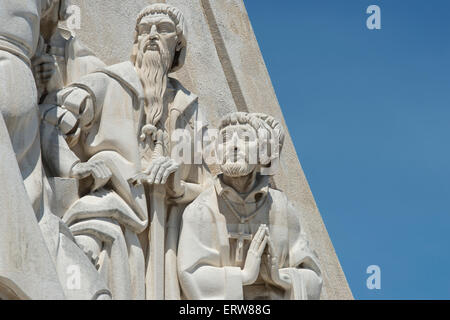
<point x="26" y="249"/>
<point x="111" y="218"/>
<point x="19" y="36"/>
<point x="208" y="265"/>
<point x="73" y="60"/>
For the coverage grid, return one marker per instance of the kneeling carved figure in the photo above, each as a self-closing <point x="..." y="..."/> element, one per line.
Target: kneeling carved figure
<point x="242" y="239"/>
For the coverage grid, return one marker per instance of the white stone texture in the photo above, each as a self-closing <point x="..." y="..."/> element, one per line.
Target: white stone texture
<point x="225" y="68"/>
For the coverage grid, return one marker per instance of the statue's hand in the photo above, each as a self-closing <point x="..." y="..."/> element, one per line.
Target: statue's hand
<point x="282" y="280"/>
<point x="160" y="169"/>
<point x="44" y="67"/>
<point x="97" y="169"/>
<point x="253" y="260"/>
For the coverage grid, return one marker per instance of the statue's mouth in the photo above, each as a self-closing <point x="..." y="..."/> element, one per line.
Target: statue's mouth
<point x="152" y="46"/>
<point x="235" y="158"/>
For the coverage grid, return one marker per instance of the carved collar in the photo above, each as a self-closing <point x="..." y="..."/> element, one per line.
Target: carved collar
<point x="257" y="195"/>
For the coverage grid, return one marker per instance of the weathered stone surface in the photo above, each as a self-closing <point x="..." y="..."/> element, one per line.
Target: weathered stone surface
<point x="224" y="66"/>
<point x="106" y="152"/>
<point x="248" y="247"/>
<point x="27" y="270"/>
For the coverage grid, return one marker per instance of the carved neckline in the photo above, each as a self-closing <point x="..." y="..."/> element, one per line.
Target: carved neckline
<point x="246" y="219"/>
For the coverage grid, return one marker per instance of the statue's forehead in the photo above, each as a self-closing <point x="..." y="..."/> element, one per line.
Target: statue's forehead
<point x="155" y="18"/>
<point x="239" y="128"/>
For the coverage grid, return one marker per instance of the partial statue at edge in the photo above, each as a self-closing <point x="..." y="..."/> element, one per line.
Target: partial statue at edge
<point x="96" y="149"/>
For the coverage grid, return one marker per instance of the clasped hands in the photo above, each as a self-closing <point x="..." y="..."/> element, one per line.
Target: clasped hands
<point x="250" y="272"/>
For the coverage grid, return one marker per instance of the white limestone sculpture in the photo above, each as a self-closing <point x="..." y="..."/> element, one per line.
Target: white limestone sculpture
<point x="123" y="116"/>
<point x="22" y="270"/>
<point x="241" y="239"/>
<point x="23" y="251"/>
<point x="60" y="60"/>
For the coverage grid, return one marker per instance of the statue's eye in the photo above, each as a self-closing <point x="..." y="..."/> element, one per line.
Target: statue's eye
<point x="144" y="29"/>
<point x="166" y="27"/>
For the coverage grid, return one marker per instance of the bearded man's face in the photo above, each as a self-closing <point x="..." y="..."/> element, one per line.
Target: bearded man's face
<point x="239" y="148"/>
<point x="157" y="37"/>
<point x="157" y="44"/>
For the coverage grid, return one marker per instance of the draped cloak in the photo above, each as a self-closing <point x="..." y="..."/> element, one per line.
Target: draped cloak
<point x="206" y="262"/>
<point x="116" y="214"/>
<point x="30" y="265"/>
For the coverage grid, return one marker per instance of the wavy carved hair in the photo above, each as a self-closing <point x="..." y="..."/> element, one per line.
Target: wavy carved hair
<point x="264" y="125"/>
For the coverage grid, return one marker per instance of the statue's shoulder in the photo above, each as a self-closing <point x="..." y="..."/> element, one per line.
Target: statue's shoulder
<point x="183" y="98"/>
<point x="280" y="201"/>
<point x="278" y="195"/>
<point x="125" y="74"/>
<point x="203" y="207"/>
<point x="121" y="70"/>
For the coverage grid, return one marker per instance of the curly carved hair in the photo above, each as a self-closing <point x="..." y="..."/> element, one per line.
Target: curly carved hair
<point x="265" y="126"/>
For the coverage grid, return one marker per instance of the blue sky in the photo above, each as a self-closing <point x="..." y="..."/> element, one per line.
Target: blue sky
<point x="369" y="113"/>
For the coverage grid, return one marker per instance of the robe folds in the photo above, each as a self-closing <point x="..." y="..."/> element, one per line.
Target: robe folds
<point x="110" y="219"/>
<point x="36" y="244"/>
<point x="207" y="265"/>
<point x="73" y="60"/>
<point x="19" y="26"/>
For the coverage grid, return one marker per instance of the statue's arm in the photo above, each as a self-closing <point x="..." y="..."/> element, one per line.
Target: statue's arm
<point x="303" y="269"/>
<point x="56" y="153"/>
<point x="73" y="111"/>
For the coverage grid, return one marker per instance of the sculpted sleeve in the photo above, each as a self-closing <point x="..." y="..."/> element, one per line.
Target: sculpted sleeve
<point x="303" y="271"/>
<point x="78" y="107"/>
<point x="201" y="270"/>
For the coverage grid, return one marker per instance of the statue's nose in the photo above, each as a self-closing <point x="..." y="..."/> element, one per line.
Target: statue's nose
<point x="154" y="33"/>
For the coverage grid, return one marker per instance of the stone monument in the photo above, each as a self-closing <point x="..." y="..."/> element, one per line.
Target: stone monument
<point x="110" y="191"/>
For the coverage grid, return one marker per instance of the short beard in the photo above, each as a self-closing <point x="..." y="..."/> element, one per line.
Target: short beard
<point x="236" y="169"/>
<point x="153" y="68"/>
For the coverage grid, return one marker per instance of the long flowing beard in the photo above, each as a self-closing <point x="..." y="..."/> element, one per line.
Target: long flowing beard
<point x="237" y="169"/>
<point x="153" y="68"/>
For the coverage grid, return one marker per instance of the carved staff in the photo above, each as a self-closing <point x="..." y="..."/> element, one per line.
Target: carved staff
<point x="154" y="279"/>
<point x="155" y="268"/>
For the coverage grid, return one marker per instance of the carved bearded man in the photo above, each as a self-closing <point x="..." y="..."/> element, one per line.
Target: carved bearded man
<point x="241" y="239"/>
<point x="124" y="115"/>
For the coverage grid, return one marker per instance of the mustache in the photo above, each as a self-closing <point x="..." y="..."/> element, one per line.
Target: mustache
<point x="150" y="43"/>
<point x="236" y="169"/>
<point x="233" y="156"/>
